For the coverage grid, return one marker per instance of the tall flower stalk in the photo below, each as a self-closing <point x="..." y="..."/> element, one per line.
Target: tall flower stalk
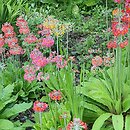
<point x="119" y="30"/>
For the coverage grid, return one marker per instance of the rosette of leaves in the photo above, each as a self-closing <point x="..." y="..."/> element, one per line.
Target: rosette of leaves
<point x="103" y="105"/>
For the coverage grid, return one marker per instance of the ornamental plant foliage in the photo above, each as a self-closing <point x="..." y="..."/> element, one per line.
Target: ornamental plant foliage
<point x="108" y="98"/>
<point x="63" y="102"/>
<point x="9" y="106"/>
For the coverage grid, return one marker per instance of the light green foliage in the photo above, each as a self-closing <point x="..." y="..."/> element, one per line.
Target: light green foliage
<point x="69" y="105"/>
<point x="53" y="117"/>
<point x="9" y="107"/>
<point x="14" y="74"/>
<point x="118" y="122"/>
<point x="64" y="80"/>
<point x="100" y="121"/>
<point x="127" y="122"/>
<point x="100" y="99"/>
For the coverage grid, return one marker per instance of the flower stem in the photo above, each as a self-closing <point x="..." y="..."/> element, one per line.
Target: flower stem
<point x="67" y="44"/>
<point x="40" y="119"/>
<point x="129" y="55"/>
<point x="57" y="45"/>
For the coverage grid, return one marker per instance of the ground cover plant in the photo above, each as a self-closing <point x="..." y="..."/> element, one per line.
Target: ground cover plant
<point x="70" y="73"/>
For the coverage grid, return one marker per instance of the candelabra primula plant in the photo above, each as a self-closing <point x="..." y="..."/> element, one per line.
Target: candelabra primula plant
<point x="107" y="97"/>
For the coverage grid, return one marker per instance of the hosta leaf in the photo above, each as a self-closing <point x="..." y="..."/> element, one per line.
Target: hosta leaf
<point x="17" y="108"/>
<point x="127" y="122"/>
<point x="100" y="121"/>
<point x="118" y="122"/>
<point x="6" y="124"/>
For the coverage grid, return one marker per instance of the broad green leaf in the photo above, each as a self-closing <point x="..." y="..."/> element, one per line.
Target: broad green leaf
<point x="7" y="92"/>
<point x="100" y="121"/>
<point x="118" y="122"/>
<point x="6" y="124"/>
<point x="96" y="90"/>
<point x="127" y="122"/>
<point x="17" y="108"/>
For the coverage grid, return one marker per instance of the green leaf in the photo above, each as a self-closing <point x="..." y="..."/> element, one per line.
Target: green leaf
<point x="17" y="108"/>
<point x="6" y="124"/>
<point x="6" y="92"/>
<point x="78" y="1"/>
<point x="2" y="105"/>
<point x="92" y="107"/>
<point x="91" y="2"/>
<point x="126" y="104"/>
<point x="118" y="122"/>
<point x="75" y="10"/>
<point x="127" y="122"/>
<point x="118" y="106"/>
<point x="100" y="121"/>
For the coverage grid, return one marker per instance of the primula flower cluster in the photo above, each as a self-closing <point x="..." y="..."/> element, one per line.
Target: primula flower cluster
<point x="11" y="39"/>
<point x="30" y="39"/>
<point x="23" y="25"/>
<point x="38" y="59"/>
<point x="57" y="27"/>
<point x="112" y="45"/>
<point x="120" y="27"/>
<point x="77" y="124"/>
<point x="30" y="73"/>
<point x="58" y="59"/>
<point x="47" y="41"/>
<point x="98" y="61"/>
<point x="55" y="95"/>
<point x="24" y="29"/>
<point x="39" y="106"/>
